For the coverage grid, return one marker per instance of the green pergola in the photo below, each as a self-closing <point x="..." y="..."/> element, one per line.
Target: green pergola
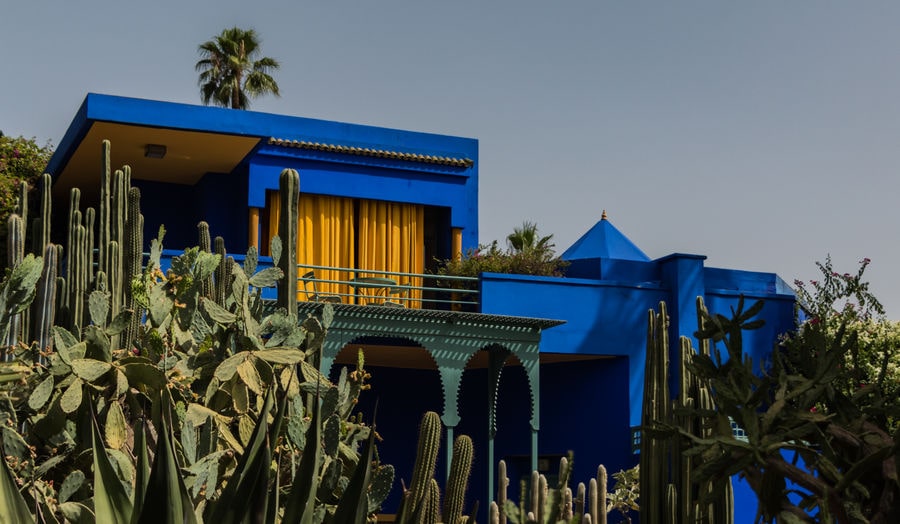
<point x="452" y="338"/>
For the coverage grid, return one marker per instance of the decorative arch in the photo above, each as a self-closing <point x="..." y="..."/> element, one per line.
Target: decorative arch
<point x="451" y="338"/>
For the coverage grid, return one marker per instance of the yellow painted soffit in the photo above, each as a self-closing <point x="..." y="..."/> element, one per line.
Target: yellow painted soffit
<point x="189" y="154"/>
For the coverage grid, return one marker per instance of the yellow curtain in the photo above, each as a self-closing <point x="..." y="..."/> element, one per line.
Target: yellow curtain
<point x="325" y="237"/>
<point x="392" y="238"/>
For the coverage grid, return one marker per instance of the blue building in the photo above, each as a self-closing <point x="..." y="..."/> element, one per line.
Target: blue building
<point x="530" y="367"/>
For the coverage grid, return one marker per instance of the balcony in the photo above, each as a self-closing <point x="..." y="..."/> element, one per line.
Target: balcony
<point x="365" y="287"/>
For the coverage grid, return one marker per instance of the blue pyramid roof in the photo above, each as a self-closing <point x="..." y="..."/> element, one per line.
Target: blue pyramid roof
<point x="604" y="241"/>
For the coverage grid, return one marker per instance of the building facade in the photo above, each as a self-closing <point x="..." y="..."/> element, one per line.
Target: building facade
<point x="531" y="367"/>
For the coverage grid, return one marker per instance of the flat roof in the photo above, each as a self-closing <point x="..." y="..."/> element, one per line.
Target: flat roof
<point x="203" y="139"/>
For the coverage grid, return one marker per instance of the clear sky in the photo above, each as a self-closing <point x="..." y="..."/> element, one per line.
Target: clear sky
<point x="762" y="134"/>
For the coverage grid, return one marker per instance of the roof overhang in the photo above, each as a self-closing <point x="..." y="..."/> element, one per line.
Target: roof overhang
<point x="198" y="140"/>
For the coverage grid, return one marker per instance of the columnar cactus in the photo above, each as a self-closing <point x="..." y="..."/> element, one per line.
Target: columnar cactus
<point x="134" y="244"/>
<point x="598" y="510"/>
<point x="222" y="280"/>
<point x="426" y="461"/>
<point x="89" y="216"/>
<point x="15" y="251"/>
<point x="103" y="231"/>
<point x="117" y="218"/>
<point x="289" y="190"/>
<point x="46" y="203"/>
<point x="654" y="453"/>
<point x="502" y="486"/>
<point x="45" y="301"/>
<point x="669" y="492"/>
<point x="77" y="278"/>
<point x="460" y="469"/>
<point x="207" y="288"/>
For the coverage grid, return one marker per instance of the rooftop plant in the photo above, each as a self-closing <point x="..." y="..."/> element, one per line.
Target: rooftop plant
<point x="527" y="253"/>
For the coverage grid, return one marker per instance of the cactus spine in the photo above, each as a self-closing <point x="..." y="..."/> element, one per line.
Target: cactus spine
<point x="289" y="191"/>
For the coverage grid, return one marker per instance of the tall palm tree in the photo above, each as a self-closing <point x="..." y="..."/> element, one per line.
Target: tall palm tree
<point x="231" y="71"/>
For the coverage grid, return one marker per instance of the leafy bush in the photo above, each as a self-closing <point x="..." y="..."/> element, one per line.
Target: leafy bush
<point x="842" y="302"/>
<point x="21" y="159"/>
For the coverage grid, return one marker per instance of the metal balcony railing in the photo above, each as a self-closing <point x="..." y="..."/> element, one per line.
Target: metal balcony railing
<point x="365" y="286"/>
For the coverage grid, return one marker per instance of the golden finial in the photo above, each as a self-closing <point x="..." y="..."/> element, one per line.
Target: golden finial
<point x="603" y="216"/>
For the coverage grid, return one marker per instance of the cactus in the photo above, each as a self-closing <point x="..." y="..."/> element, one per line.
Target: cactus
<point x="114" y="284"/>
<point x="45" y="301"/>
<point x="460" y="469"/>
<point x="134" y="243"/>
<point x="654" y="477"/>
<point x="430" y="512"/>
<point x="89" y="216"/>
<point x="46" y="203"/>
<point x="205" y="244"/>
<point x="426" y="460"/>
<point x="289" y="190"/>
<point x="77" y="272"/>
<point x="117" y="234"/>
<point x="668" y="489"/>
<point x="502" y="486"/>
<point x="598" y="510"/>
<point x="103" y="230"/>
<point x="222" y="281"/>
<point x="553" y="505"/>
<point x="421" y="501"/>
<point x="15" y="251"/>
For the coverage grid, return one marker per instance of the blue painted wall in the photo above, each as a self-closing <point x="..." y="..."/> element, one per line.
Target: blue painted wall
<point x="609" y="317"/>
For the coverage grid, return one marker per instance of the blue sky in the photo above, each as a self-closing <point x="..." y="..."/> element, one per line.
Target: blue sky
<point x="762" y="134"/>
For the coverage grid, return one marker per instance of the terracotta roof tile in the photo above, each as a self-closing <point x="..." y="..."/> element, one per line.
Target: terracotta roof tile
<point x="378" y="153"/>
